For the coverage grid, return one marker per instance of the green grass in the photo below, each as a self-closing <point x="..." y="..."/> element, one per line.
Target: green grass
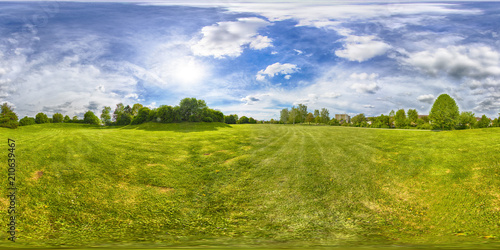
<point x="217" y="185"/>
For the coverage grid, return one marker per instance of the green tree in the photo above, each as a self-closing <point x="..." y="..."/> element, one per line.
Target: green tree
<point x="412" y="117"/>
<point x="190" y="109"/>
<point x="142" y="116"/>
<point x="309" y="118"/>
<point x="106" y="115"/>
<point x="252" y="121"/>
<point x="359" y="120"/>
<point x="8" y="119"/>
<point x="400" y="118"/>
<point x="316" y="113"/>
<point x="284" y="114"/>
<point x="41" y="118"/>
<point x="444" y="113"/>
<point x="136" y="108"/>
<point x="66" y="119"/>
<point x="467" y="120"/>
<point x="294" y="115"/>
<point x="57" y="118"/>
<point x="484" y="122"/>
<point x="325" y="115"/>
<point x="231" y="119"/>
<point x="302" y="112"/>
<point x="75" y="118"/>
<point x="392" y="114"/>
<point x="334" y="122"/>
<point x="27" y="121"/>
<point x="243" y="120"/>
<point x="90" y="118"/>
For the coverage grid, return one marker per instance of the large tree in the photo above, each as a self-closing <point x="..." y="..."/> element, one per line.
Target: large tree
<point x="8" y="118"/>
<point x="302" y="112"/>
<point x="444" y="113"/>
<point x="142" y="116"/>
<point x="484" y="122"/>
<point x="27" y="121"/>
<point x="190" y="109"/>
<point x="135" y="108"/>
<point x="118" y="112"/>
<point x="310" y="118"/>
<point x="359" y="120"/>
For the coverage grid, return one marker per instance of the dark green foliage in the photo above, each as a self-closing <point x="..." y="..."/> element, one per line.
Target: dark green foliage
<point x="91" y="118"/>
<point x="57" y="118"/>
<point x="75" y="119"/>
<point x="207" y="119"/>
<point x="165" y="114"/>
<point x="334" y="122"/>
<point x="359" y="120"/>
<point x="190" y="109"/>
<point x="136" y="108"/>
<point x="231" y="119"/>
<point x="41" y="118"/>
<point x="124" y="119"/>
<point x="27" y="121"/>
<point x="252" y="121"/>
<point x="444" y="113"/>
<point x="400" y="119"/>
<point x="412" y="117"/>
<point x="118" y="112"/>
<point x="243" y="120"/>
<point x="466" y="120"/>
<point x="8" y="119"/>
<point x="484" y="122"/>
<point x="66" y="119"/>
<point x="142" y="115"/>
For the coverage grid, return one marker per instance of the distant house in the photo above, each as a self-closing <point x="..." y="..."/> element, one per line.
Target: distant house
<point x="343" y="117"/>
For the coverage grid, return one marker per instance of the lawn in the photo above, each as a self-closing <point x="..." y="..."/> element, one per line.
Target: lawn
<point x="221" y="185"/>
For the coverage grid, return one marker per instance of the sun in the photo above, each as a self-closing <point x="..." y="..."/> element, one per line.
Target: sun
<point x="188" y="71"/>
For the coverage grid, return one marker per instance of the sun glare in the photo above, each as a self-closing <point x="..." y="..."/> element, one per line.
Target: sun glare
<point x="189" y="71"/>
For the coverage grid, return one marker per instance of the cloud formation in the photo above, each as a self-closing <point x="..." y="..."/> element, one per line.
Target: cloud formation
<point x="228" y="39"/>
<point x="426" y="98"/>
<point x="362" y="48"/>
<point x="276" y="69"/>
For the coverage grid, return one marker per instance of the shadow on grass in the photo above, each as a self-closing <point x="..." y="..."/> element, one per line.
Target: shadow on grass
<point x="183" y="127"/>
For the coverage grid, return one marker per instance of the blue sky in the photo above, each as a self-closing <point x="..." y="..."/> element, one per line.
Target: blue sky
<point x="250" y="58"/>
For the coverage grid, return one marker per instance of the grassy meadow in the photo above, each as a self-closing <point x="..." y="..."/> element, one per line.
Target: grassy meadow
<point x="222" y="185"/>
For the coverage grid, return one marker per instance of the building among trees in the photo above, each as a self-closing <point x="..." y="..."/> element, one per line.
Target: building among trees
<point x="343" y="117"/>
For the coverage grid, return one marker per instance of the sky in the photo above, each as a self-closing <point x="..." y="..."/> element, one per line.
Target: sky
<point x="250" y="58"/>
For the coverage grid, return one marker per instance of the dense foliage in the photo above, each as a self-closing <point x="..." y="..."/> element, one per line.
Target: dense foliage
<point x="8" y="119"/>
<point x="444" y="113"/>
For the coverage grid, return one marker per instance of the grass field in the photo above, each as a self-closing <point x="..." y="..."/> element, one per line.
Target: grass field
<point x="253" y="185"/>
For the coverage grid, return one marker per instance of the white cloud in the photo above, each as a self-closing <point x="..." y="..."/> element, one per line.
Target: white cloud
<point x="288" y="77"/>
<point x="426" y="98"/>
<point x="298" y="51"/>
<point x="331" y="95"/>
<point x="276" y="69"/>
<point x="132" y="96"/>
<point x="472" y="61"/>
<point x="368" y="106"/>
<point x="228" y="38"/>
<point x="362" y="48"/>
<point x="363" y="76"/>
<point x="366" y="88"/>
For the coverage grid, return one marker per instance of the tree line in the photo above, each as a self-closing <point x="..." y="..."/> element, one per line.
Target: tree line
<point x="188" y="110"/>
<point x="444" y="115"/>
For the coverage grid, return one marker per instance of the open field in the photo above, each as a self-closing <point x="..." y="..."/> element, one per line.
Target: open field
<point x="253" y="185"/>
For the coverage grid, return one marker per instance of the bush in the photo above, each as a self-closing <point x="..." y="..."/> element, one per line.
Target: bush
<point x="27" y="121"/>
<point x="207" y="119"/>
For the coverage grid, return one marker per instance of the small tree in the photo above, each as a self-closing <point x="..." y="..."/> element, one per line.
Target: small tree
<point x="309" y="118"/>
<point x="243" y="120"/>
<point x="444" y="113"/>
<point x="359" y="120"/>
<point x="90" y="118"/>
<point x="8" y="119"/>
<point x="412" y="117"/>
<point x="66" y="119"/>
<point x="57" y="118"/>
<point x="106" y="115"/>
<point x="284" y="114"/>
<point x="400" y="118"/>
<point x="466" y="120"/>
<point x="325" y="115"/>
<point x="484" y="122"/>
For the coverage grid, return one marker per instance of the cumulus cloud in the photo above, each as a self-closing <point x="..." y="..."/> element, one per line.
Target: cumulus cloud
<point x="426" y="98"/>
<point x="365" y="88"/>
<point x="362" y="48"/>
<point x="276" y="69"/>
<point x="132" y="96"/>
<point x="229" y="38"/>
<point x="471" y="61"/>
